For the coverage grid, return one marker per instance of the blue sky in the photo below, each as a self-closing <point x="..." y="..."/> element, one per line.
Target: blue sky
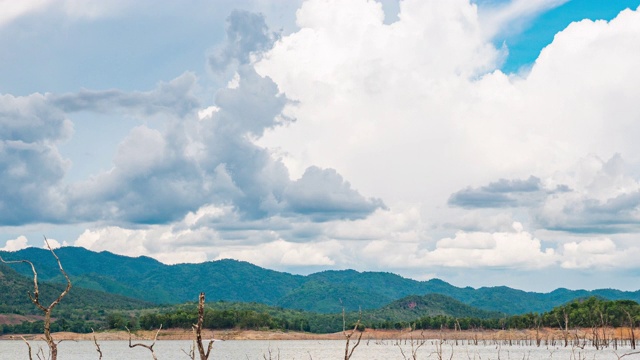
<point x="485" y="143"/>
<point x="525" y="45"/>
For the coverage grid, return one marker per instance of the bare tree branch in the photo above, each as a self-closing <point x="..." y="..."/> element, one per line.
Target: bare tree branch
<point x="28" y="345"/>
<point x="347" y="353"/>
<point x="149" y="347"/>
<point x="197" y="329"/>
<point x="95" y="341"/>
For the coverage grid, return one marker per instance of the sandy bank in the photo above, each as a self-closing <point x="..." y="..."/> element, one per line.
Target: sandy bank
<point x="182" y="334"/>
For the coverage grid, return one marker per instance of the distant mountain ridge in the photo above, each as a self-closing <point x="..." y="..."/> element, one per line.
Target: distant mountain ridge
<point x="231" y="280"/>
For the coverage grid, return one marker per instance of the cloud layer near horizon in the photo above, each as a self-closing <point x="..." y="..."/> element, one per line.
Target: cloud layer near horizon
<point x="356" y="142"/>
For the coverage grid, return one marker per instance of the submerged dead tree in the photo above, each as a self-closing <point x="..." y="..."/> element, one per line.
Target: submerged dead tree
<point x="348" y="353"/>
<point x="197" y="330"/>
<point x="35" y="299"/>
<point x="148" y="347"/>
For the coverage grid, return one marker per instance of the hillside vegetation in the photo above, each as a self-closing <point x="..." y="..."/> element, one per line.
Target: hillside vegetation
<point x="327" y="292"/>
<point x="80" y="310"/>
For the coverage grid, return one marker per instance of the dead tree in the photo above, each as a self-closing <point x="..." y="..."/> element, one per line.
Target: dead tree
<point x="197" y="330"/>
<point x="95" y="342"/>
<point x="35" y="299"/>
<point x="564" y="327"/>
<point x="348" y="353"/>
<point x="537" y="322"/>
<point x="28" y="345"/>
<point x="632" y="335"/>
<point x="149" y="347"/>
<point x="415" y="345"/>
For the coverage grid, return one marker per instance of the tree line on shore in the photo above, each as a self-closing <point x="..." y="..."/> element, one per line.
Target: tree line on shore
<point x="581" y="313"/>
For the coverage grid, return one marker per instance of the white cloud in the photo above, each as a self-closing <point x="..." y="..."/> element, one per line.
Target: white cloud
<point x="386" y="92"/>
<point x="403" y="116"/>
<point x="19" y="243"/>
<point x="514" y="249"/>
<point x="282" y="253"/>
<point x="157" y="242"/>
<point x="602" y="197"/>
<point x="53" y="244"/>
<point x="408" y="112"/>
<point x="12" y="10"/>
<point x="598" y="253"/>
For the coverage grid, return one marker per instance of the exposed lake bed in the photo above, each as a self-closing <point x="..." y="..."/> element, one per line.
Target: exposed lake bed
<point x="375" y="344"/>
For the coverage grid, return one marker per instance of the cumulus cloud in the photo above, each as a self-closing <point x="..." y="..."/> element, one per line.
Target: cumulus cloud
<point x="323" y="194"/>
<point x="30" y="130"/>
<point x="283" y="253"/>
<point x="600" y="253"/>
<point x="247" y="35"/>
<point x="605" y="198"/>
<point x="292" y="159"/>
<point x="19" y="243"/>
<point x="602" y="197"/>
<point x="53" y="243"/>
<point x="140" y="242"/>
<point x="513" y="249"/>
<point x="206" y="158"/>
<point x="32" y="119"/>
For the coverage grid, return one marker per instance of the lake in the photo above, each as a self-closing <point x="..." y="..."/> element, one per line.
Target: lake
<point x="306" y="349"/>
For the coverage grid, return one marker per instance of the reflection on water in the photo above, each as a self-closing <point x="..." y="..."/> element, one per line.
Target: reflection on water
<point x="308" y="349"/>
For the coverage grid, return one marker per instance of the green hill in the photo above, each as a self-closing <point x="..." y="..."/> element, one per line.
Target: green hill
<point x="415" y="306"/>
<point x="146" y="279"/>
<point x="79" y="302"/>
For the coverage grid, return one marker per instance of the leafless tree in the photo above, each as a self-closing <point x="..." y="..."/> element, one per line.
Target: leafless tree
<point x="564" y="327"/>
<point x="35" y="299"/>
<point x="192" y="351"/>
<point x="28" y="346"/>
<point x="149" y="347"/>
<point x="197" y="330"/>
<point x="632" y="335"/>
<point x="348" y="335"/>
<point x="415" y="345"/>
<point x="95" y="342"/>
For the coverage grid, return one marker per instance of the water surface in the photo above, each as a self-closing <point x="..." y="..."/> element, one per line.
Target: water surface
<point x="308" y="349"/>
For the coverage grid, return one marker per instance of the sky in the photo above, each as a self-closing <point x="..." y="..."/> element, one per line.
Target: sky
<point x="485" y="143"/>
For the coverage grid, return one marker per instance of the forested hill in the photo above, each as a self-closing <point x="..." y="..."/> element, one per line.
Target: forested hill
<point x="14" y="298"/>
<point x="230" y="280"/>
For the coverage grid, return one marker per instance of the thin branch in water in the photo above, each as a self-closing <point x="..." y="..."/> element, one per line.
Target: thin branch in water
<point x="95" y="342"/>
<point x="347" y="353"/>
<point x="192" y="351"/>
<point x="627" y="354"/>
<point x="149" y="347"/>
<point x="28" y="345"/>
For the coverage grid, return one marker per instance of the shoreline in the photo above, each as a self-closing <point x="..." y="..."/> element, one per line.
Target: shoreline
<point x="544" y="334"/>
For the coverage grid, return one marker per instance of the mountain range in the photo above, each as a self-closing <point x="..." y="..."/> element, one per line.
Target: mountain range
<point x="148" y="280"/>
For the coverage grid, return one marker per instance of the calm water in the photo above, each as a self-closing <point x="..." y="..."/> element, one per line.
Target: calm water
<point x="308" y="349"/>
